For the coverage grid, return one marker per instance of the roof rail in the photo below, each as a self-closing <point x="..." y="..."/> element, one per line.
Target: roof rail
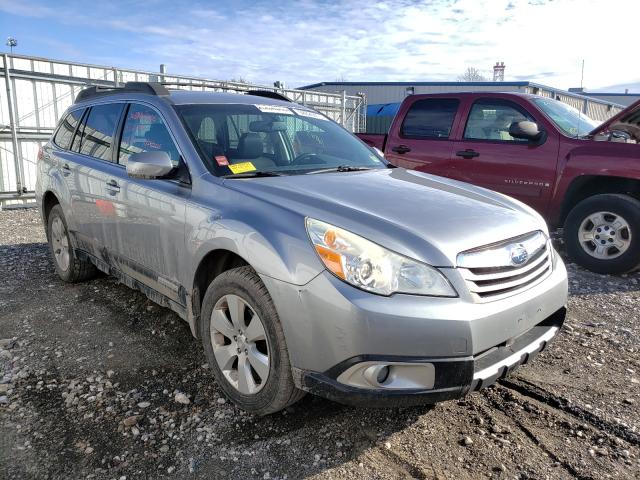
<point x="269" y="94"/>
<point x="152" y="88"/>
<point x="235" y="88"/>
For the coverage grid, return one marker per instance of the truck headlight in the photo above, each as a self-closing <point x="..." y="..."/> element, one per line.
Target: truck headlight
<point x="371" y="267"/>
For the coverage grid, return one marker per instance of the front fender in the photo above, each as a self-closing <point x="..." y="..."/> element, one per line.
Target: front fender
<point x="274" y="243"/>
<point x="588" y="158"/>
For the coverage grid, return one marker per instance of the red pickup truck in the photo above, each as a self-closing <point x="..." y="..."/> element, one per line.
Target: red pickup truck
<point x="575" y="172"/>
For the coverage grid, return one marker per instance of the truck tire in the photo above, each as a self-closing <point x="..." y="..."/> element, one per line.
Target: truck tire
<point x="245" y="345"/>
<point x="68" y="266"/>
<point x="602" y="233"/>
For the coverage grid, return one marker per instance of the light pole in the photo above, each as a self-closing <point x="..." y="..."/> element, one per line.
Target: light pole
<point x="12" y="42"/>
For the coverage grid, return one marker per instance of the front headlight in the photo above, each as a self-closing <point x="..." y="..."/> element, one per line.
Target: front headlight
<point x="371" y="267"/>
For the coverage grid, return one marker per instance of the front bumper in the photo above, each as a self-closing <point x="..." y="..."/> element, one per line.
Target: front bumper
<point x="455" y="377"/>
<point x="331" y="326"/>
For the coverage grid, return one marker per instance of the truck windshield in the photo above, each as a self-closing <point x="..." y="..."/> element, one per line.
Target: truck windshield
<point x="568" y="119"/>
<point x="254" y="140"/>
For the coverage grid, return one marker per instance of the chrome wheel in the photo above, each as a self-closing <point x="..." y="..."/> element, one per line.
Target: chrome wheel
<point x="60" y="243"/>
<point x="240" y="344"/>
<point x="604" y="235"/>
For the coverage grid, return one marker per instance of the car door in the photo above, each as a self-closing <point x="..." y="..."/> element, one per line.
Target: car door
<point x="87" y="168"/>
<point x="488" y="156"/>
<point x="423" y="140"/>
<point x="149" y="239"/>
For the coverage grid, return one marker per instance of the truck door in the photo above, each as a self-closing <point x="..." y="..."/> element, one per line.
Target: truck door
<point x="489" y="157"/>
<point x="419" y="138"/>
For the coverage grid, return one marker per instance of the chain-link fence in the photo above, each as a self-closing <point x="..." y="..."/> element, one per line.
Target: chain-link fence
<point x="37" y="91"/>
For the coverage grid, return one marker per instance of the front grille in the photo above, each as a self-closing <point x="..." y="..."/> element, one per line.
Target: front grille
<point x="491" y="273"/>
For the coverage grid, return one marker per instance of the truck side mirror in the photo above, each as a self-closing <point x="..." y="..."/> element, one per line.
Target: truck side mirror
<point x="527" y="131"/>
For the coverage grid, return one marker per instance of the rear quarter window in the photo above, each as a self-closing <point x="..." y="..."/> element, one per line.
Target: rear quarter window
<point x="67" y="128"/>
<point x="430" y="118"/>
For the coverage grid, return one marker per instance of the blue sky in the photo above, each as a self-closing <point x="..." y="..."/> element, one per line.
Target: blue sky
<point x="317" y="40"/>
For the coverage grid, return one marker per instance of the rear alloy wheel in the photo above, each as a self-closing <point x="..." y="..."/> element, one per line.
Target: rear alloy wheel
<point x="68" y="266"/>
<point x="245" y="344"/>
<point x="602" y="233"/>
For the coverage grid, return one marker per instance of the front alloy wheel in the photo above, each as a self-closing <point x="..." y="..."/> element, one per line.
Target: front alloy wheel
<point x="239" y="344"/>
<point x="605" y="235"/>
<point x="245" y="344"/>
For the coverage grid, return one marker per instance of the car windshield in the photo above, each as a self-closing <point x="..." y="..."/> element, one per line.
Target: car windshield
<point x="247" y="140"/>
<point x="568" y="119"/>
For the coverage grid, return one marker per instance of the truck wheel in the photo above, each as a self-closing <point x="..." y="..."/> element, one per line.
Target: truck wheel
<point x="244" y="343"/>
<point x="68" y="266"/>
<point x="602" y="233"/>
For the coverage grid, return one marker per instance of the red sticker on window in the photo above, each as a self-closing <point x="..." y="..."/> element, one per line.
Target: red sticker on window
<point x="222" y="160"/>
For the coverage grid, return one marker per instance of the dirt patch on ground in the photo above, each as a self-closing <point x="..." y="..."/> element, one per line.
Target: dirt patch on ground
<point x="89" y="375"/>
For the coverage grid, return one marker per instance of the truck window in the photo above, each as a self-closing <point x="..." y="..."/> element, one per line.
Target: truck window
<point x="430" y="118"/>
<point x="99" y="129"/>
<point x="491" y="119"/>
<point x="144" y="131"/>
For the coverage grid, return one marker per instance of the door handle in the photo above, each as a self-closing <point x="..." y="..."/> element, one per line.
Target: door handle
<point x="467" y="153"/>
<point x="113" y="186"/>
<point x="401" y="149"/>
<point x="66" y="170"/>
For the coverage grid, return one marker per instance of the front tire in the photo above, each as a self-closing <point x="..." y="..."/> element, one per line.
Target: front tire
<point x="602" y="233"/>
<point x="245" y="345"/>
<point x="68" y="266"/>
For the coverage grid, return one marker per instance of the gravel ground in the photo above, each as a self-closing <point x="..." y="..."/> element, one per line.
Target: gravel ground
<point x="98" y="382"/>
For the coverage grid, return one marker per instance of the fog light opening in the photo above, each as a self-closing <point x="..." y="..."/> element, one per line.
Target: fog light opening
<point x="383" y="374"/>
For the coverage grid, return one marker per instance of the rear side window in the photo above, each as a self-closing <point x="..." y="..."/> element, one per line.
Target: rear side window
<point x="98" y="130"/>
<point x="430" y="118"/>
<point x="491" y="119"/>
<point x="144" y="131"/>
<point x="67" y="128"/>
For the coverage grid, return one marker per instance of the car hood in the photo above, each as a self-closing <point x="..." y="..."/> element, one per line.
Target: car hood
<point x="425" y="217"/>
<point x="628" y="120"/>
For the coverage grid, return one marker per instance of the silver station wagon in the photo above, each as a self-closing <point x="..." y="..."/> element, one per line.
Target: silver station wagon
<point x="301" y="259"/>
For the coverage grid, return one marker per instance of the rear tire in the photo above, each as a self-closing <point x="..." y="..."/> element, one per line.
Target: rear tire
<point x="68" y="266"/>
<point x="240" y="328"/>
<point x="602" y="233"/>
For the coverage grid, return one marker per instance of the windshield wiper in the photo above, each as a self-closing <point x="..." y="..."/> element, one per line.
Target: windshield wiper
<point x="257" y="173"/>
<point x="339" y="168"/>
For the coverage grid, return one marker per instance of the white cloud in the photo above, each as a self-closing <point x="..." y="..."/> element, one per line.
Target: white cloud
<point x="394" y="40"/>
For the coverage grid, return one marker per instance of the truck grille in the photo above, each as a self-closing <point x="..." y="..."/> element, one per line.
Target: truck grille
<point x="506" y="268"/>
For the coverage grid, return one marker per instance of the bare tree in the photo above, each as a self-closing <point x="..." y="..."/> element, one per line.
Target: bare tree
<point x="472" y="75"/>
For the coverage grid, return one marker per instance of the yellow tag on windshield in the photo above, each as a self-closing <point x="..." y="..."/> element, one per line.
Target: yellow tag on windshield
<point x="242" y="167"/>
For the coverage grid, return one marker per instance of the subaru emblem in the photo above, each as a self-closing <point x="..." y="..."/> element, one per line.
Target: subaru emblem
<point x="518" y="254"/>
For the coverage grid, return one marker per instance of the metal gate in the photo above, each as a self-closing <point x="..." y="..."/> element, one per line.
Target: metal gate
<point x="37" y="91"/>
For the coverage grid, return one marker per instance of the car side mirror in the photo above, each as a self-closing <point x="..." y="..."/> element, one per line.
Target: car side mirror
<point x="527" y="131"/>
<point x="149" y="165"/>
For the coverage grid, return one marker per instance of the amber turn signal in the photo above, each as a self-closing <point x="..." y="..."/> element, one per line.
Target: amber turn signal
<point x="331" y="260"/>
